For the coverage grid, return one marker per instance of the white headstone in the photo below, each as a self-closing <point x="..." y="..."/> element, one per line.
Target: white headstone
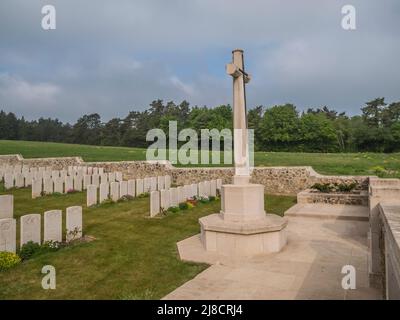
<point x="19" y="180"/>
<point x="219" y="184"/>
<point x="123" y="188"/>
<point x="111" y="177"/>
<point x="147" y="184"/>
<point x="91" y="195"/>
<point x="131" y="187"/>
<point x="213" y="188"/>
<point x="28" y="179"/>
<point x="95" y="171"/>
<point x="6" y="206"/>
<point x="58" y="185"/>
<point x="87" y="180"/>
<point x="101" y="171"/>
<point x="30" y="228"/>
<point x="53" y="226"/>
<point x="207" y="188"/>
<point x="8" y="180"/>
<point x="104" y="178"/>
<point x="118" y="176"/>
<point x="74" y="223"/>
<point x="187" y="189"/>
<point x="154" y="203"/>
<point x="165" y="199"/>
<point x="160" y="182"/>
<point x="114" y="191"/>
<point x="201" y="189"/>
<point x="96" y="179"/>
<point x="174" y="197"/>
<point x="181" y="194"/>
<point x="69" y="184"/>
<point x="36" y="188"/>
<point x="8" y="235"/>
<point x="167" y="180"/>
<point x="78" y="183"/>
<point x="48" y="186"/>
<point x="139" y="187"/>
<point x="55" y="174"/>
<point x="194" y="190"/>
<point x="104" y="191"/>
<point x="90" y="170"/>
<point x="153" y="183"/>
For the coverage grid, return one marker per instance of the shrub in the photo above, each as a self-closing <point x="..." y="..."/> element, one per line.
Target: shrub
<point x="211" y="198"/>
<point x="204" y="199"/>
<point x="173" y="209"/>
<point x="126" y="198"/>
<point x="8" y="260"/>
<point x="190" y="205"/>
<point x="51" y="246"/>
<point x="71" y="191"/>
<point x="183" y="206"/>
<point x="325" y="187"/>
<point x="29" y="249"/>
<point x="346" y="187"/>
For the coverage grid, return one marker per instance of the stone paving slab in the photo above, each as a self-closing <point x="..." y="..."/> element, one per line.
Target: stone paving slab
<point x="309" y="267"/>
<point x="329" y="211"/>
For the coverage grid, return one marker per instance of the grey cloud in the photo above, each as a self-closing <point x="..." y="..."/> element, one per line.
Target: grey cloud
<point x="112" y="57"/>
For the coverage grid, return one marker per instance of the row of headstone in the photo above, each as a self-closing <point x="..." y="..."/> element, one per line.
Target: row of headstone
<point x="30" y="226"/>
<point x="167" y="198"/>
<point x="116" y="190"/>
<point x="71" y="183"/>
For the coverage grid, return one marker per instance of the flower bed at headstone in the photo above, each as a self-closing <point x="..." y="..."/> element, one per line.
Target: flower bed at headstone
<point x="190" y="203"/>
<point x="8" y="260"/>
<point x="335" y="188"/>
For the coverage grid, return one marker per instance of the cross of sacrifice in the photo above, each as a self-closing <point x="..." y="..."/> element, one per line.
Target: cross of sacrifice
<point x="240" y="134"/>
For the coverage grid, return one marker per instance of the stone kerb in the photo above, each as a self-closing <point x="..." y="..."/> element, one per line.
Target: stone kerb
<point x="379" y="192"/>
<point x="390" y="249"/>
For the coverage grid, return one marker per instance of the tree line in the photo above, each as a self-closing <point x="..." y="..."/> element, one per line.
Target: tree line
<point x="278" y="128"/>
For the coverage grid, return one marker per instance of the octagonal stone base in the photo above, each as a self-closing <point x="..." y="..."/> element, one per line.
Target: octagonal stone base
<point x="234" y="238"/>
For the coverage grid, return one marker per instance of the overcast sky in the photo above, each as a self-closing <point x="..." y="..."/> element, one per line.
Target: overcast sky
<point x="111" y="57"/>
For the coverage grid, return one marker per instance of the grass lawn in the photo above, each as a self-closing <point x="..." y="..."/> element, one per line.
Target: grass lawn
<point x="133" y="257"/>
<point x="384" y="165"/>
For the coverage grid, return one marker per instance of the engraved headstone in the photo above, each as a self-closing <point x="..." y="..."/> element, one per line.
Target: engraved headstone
<point x="30" y="228"/>
<point x="131" y="187"/>
<point x="6" y="206"/>
<point x="104" y="191"/>
<point x="154" y="203"/>
<point x="74" y="223"/>
<point x="91" y="195"/>
<point x="8" y="234"/>
<point x="53" y="226"/>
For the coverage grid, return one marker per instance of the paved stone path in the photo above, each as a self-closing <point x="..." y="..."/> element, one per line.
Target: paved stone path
<point x="309" y="267"/>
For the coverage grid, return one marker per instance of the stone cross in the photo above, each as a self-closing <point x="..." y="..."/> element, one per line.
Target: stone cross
<point x="240" y="142"/>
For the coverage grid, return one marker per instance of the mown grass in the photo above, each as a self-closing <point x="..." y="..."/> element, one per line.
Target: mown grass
<point x="384" y="165"/>
<point x="133" y="256"/>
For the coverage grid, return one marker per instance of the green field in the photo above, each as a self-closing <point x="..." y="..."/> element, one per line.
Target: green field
<point x="133" y="257"/>
<point x="384" y="165"/>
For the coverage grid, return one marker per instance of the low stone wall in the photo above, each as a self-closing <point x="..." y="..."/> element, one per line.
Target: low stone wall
<point x="390" y="250"/>
<point x="55" y="163"/>
<point x="276" y="180"/>
<point x="310" y="196"/>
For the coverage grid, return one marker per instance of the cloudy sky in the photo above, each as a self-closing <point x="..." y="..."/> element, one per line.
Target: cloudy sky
<point x="111" y="57"/>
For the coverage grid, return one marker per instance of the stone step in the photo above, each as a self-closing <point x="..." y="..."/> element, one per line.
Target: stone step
<point x="329" y="211"/>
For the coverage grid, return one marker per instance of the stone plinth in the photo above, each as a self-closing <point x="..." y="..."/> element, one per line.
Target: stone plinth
<point x="242" y="228"/>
